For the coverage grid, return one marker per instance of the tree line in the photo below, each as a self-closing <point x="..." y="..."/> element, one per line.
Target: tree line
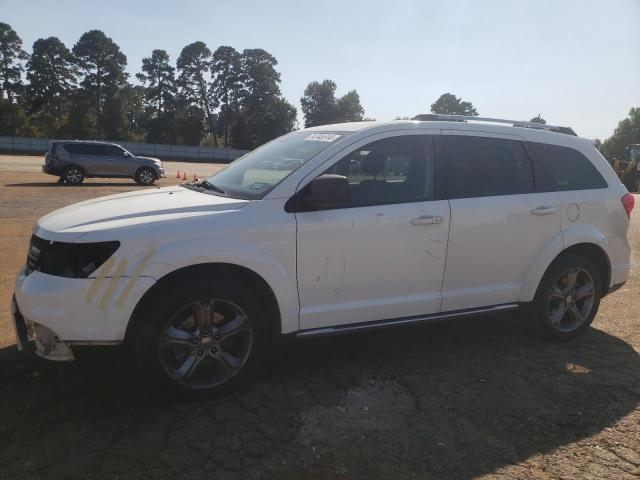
<point x="221" y="98"/>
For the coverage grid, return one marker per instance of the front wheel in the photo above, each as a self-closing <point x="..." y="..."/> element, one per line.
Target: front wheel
<point x="201" y="336"/>
<point x="145" y="176"/>
<point x="568" y="298"/>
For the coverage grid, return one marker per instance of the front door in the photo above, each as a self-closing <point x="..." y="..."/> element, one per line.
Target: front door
<point x="382" y="255"/>
<point x="116" y="163"/>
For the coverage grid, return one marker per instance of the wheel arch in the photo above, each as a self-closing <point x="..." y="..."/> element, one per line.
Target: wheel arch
<point x="591" y="249"/>
<point x="246" y="276"/>
<point x="155" y="173"/>
<point x="597" y="255"/>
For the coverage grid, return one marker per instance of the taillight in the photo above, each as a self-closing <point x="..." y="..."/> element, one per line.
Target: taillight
<point x="628" y="203"/>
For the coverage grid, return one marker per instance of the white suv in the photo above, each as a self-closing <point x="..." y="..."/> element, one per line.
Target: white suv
<point x="328" y="230"/>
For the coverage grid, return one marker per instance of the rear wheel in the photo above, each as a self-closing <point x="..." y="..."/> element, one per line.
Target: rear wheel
<point x="568" y="298"/>
<point x="73" y="175"/>
<point x="145" y="176"/>
<point x="201" y="336"/>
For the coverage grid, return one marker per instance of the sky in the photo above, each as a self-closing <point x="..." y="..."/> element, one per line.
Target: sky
<point x="576" y="62"/>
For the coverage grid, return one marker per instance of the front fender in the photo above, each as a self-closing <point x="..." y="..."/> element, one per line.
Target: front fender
<point x="275" y="271"/>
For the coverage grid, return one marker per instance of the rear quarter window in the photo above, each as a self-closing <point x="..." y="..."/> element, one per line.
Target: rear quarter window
<point x="566" y="168"/>
<point x="75" y="148"/>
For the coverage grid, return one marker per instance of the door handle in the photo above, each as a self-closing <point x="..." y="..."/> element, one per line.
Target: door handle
<point x="543" y="210"/>
<point x="426" y="220"/>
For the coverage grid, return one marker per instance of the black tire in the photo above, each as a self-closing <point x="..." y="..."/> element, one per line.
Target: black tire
<point x="145" y="176"/>
<point x="163" y="347"/>
<point x="73" y="175"/>
<point x="562" y="311"/>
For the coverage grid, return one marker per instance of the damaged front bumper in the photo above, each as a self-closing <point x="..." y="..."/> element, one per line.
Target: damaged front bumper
<point x="33" y="337"/>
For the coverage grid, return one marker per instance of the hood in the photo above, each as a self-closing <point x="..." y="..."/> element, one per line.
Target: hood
<point x="132" y="209"/>
<point x="147" y="159"/>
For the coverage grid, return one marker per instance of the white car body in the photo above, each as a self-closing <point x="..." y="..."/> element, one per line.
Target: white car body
<point x="334" y="268"/>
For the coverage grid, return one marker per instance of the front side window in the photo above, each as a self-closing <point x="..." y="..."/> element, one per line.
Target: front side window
<point x="388" y="171"/>
<point x="113" y="150"/>
<point x="566" y="168"/>
<point x="483" y="167"/>
<point x="255" y="174"/>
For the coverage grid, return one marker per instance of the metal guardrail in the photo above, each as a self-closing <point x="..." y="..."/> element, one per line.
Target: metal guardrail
<point x="178" y="152"/>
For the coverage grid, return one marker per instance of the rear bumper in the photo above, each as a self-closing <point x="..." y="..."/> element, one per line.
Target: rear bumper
<point x="613" y="288"/>
<point x="52" y="170"/>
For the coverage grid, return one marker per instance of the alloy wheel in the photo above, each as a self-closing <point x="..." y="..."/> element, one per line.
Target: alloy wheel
<point x="73" y="175"/>
<point x="571" y="299"/>
<point x="206" y="343"/>
<point x="146" y="177"/>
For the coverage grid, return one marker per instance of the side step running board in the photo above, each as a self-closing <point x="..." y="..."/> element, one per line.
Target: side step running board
<point x="318" y="332"/>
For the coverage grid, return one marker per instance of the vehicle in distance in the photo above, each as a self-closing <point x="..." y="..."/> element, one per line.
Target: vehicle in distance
<point x="374" y="225"/>
<point x="73" y="161"/>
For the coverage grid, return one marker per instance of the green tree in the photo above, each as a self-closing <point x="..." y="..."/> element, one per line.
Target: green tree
<point x="79" y="118"/>
<point x="449" y="104"/>
<point x="13" y="120"/>
<point x="349" y="108"/>
<point x="321" y="107"/>
<point x="226" y="86"/>
<point x="136" y="113"/>
<point x="103" y="66"/>
<point x="190" y="122"/>
<point x="626" y="133"/>
<point x="193" y="66"/>
<point x="11" y="57"/>
<point x="538" y="119"/>
<point x="51" y="76"/>
<point x="266" y="114"/>
<point x="160" y="77"/>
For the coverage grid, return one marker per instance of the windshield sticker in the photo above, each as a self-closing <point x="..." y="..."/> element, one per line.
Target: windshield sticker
<point x="323" y="137"/>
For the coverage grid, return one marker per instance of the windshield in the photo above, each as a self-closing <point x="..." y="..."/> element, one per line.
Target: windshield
<point x="258" y="172"/>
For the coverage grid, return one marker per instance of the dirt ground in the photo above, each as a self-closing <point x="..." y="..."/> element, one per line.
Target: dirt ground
<point x="477" y="398"/>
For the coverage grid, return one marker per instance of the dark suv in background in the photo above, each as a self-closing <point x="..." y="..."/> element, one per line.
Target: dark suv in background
<point x="73" y="161"/>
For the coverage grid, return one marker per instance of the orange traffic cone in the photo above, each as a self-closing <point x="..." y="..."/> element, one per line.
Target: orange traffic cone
<point x="184" y="175"/>
<point x="178" y="174"/>
<point x="195" y="177"/>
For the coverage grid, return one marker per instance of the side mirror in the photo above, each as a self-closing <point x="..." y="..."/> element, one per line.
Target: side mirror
<point x="125" y="154"/>
<point x="322" y="193"/>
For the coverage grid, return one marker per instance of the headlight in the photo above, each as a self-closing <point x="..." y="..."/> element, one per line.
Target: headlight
<point x="71" y="260"/>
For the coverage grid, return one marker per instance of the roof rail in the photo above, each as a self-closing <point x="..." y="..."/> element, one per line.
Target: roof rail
<point x="515" y="123"/>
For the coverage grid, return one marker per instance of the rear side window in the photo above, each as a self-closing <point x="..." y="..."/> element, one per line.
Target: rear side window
<point x="97" y="149"/>
<point x="566" y="168"/>
<point x="484" y="167"/>
<point x="76" y="148"/>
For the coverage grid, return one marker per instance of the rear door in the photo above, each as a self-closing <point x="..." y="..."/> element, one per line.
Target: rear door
<point x="499" y="221"/>
<point x="98" y="159"/>
<point x="82" y="154"/>
<point x="380" y="256"/>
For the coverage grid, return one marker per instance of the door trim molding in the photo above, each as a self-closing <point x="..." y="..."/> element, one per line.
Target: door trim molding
<point x="406" y="321"/>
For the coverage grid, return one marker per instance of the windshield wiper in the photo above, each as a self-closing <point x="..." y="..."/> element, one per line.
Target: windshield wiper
<point x="210" y="186"/>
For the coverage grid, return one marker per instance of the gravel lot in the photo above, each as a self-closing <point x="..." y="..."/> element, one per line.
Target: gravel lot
<point x="469" y="398"/>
